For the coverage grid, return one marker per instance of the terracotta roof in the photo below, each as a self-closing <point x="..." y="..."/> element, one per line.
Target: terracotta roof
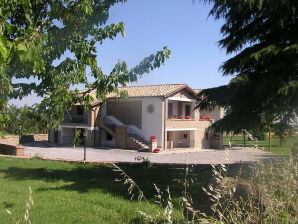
<point x="197" y="90"/>
<point x="150" y="90"/>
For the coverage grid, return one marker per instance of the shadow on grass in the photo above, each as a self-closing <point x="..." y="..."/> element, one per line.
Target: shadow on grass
<point x="83" y="178"/>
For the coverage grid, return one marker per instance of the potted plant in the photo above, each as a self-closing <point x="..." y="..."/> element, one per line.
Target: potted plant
<point x="152" y="143"/>
<point x="153" y="138"/>
<point x="156" y="150"/>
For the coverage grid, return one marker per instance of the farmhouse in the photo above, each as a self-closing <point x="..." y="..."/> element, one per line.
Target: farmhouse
<point x="165" y="111"/>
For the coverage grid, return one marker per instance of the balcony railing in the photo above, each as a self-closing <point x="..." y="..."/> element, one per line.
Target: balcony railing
<point x="181" y="117"/>
<point x="76" y="120"/>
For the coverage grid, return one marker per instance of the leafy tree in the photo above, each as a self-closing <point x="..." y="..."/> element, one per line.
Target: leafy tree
<point x="34" y="34"/>
<point x="26" y="118"/>
<point x="262" y="35"/>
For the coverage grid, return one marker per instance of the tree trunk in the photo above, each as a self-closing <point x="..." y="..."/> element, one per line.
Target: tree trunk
<point x="269" y="137"/>
<point x="244" y="141"/>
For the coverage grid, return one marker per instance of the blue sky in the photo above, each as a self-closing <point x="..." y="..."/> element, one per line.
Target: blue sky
<point x="180" y="25"/>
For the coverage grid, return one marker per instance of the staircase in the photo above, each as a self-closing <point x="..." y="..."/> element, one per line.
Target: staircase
<point x="138" y="140"/>
<point x="117" y="129"/>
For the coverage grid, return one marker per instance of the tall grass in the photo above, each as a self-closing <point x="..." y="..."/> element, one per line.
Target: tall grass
<point x="268" y="195"/>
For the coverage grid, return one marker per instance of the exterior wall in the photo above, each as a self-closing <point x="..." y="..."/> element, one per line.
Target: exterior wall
<point x="128" y="111"/>
<point x="66" y="136"/>
<point x="183" y="94"/>
<point x="180" y="139"/>
<point x="201" y="137"/>
<point x="89" y="118"/>
<point x="104" y="140"/>
<point x="152" y="123"/>
<point x="73" y="117"/>
<point x="178" y="112"/>
<point x="199" y="128"/>
<point x="216" y="113"/>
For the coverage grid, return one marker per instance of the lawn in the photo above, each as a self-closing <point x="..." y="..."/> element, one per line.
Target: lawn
<point x="285" y="149"/>
<point x="64" y="192"/>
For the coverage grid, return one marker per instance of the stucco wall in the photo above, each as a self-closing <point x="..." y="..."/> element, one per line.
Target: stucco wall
<point x="216" y="113"/>
<point x="127" y="111"/>
<point x="152" y="123"/>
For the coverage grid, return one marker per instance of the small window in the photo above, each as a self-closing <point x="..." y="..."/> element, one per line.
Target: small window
<point x="109" y="137"/>
<point x="185" y="135"/>
<point x="170" y="109"/>
<point x="80" y="110"/>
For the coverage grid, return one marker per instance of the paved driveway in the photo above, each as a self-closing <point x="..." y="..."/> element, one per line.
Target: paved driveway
<point x="199" y="156"/>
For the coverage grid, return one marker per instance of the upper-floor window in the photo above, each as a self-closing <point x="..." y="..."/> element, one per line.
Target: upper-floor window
<point x="80" y="110"/>
<point x="170" y="109"/>
<point x="187" y="110"/>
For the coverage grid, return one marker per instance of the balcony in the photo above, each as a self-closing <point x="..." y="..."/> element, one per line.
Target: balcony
<point x="75" y="120"/>
<point x="181" y="123"/>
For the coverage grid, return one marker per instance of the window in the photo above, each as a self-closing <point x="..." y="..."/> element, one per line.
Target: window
<point x="185" y="136"/>
<point x="109" y="137"/>
<point x="80" y="110"/>
<point x="170" y="109"/>
<point x="187" y="110"/>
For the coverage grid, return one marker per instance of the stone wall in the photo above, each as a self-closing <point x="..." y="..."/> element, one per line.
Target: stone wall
<point x="10" y="140"/>
<point x="14" y="139"/>
<point x="7" y="149"/>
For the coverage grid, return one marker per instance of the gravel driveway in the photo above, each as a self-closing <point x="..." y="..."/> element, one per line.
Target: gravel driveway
<point x="191" y="156"/>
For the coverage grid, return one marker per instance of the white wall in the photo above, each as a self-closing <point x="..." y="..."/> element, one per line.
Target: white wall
<point x="152" y="123"/>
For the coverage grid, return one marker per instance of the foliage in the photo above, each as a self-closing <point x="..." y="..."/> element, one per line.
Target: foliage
<point x="260" y="198"/>
<point x="84" y="195"/>
<point x="77" y="137"/>
<point x="27" y="118"/>
<point x="35" y="34"/>
<point x="262" y="36"/>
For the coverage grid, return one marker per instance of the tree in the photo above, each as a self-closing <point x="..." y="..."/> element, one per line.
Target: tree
<point x="35" y="33"/>
<point x="262" y="35"/>
<point x="27" y="118"/>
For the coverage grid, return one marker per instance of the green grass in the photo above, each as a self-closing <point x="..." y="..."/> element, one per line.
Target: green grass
<point x="62" y="192"/>
<point x="285" y="149"/>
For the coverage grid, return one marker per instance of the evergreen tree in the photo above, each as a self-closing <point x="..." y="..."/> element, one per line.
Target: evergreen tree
<point x="263" y="37"/>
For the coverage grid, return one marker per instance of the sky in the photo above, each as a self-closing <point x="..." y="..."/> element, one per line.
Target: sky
<point x="181" y="25"/>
